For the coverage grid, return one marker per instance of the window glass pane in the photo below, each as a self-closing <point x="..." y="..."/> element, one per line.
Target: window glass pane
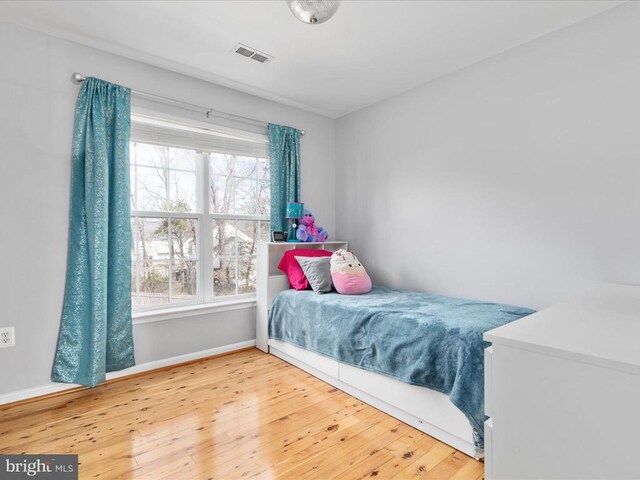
<point x="142" y="154"/>
<point x="152" y="239"/>
<point x="184" y="281"/>
<point x="224" y="238"/>
<point x="234" y="187"/>
<point x="151" y="188"/>
<point x="265" y="232"/>
<point x="246" y="237"/>
<point x="222" y="164"/>
<point x="134" y="284"/>
<point x="154" y="284"/>
<point x="163" y="178"/>
<point x="183" y="232"/>
<point x="263" y="198"/>
<point x="221" y="194"/>
<point x="246" y="274"/>
<point x="133" y="184"/>
<point x="245" y="167"/>
<point x="163" y="157"/>
<point x="244" y="196"/>
<point x="262" y="169"/>
<point x="180" y="158"/>
<point x="135" y="238"/>
<point x="183" y="191"/>
<point x="224" y="276"/>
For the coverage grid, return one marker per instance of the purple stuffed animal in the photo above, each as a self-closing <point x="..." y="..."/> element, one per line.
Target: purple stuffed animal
<point x="307" y="230"/>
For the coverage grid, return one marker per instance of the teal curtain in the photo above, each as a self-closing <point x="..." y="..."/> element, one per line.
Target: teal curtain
<point x="284" y="170"/>
<point x="95" y="332"/>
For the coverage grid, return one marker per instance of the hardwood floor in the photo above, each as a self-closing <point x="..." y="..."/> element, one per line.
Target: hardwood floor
<point x="245" y="415"/>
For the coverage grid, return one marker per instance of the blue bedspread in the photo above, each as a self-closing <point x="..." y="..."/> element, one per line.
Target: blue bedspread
<point x="426" y="340"/>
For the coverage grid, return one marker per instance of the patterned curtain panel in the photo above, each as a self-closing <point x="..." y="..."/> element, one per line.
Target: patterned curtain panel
<point x="284" y="169"/>
<point x="95" y="331"/>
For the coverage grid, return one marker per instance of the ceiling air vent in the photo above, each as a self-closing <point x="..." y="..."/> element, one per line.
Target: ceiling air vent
<point x="252" y="53"/>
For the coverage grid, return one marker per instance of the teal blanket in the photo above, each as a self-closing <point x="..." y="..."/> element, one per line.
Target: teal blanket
<point x="426" y="340"/>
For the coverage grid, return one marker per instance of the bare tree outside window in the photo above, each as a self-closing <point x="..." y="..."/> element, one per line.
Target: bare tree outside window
<point x="239" y="186"/>
<point x="168" y="202"/>
<point x="165" y="249"/>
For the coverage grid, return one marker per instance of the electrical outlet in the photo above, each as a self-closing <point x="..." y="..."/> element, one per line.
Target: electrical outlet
<point x="7" y="337"/>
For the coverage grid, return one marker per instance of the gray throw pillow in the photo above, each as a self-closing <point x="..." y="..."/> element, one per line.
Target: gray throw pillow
<point x="318" y="272"/>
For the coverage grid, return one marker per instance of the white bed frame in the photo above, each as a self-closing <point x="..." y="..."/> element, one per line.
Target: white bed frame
<point x="424" y="409"/>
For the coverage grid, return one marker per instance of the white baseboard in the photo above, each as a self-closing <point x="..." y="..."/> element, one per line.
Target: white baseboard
<point x="165" y="362"/>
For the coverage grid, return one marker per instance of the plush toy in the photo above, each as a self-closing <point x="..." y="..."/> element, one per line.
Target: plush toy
<point x="307" y="230"/>
<point x="348" y="275"/>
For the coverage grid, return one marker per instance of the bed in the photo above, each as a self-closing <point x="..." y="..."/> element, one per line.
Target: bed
<point x="386" y="346"/>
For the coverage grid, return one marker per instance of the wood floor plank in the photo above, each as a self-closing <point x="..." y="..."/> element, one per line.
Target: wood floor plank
<point x="403" y="459"/>
<point x="472" y="469"/>
<point x="286" y="459"/>
<point x="373" y="440"/>
<point x="245" y="415"/>
<point x="426" y="463"/>
<point x="371" y="465"/>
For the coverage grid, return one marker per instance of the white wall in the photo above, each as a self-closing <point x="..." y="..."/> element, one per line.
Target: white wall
<point x="516" y="179"/>
<point x="37" y="102"/>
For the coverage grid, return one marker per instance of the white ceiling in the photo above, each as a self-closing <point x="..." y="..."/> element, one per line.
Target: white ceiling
<point x="369" y="51"/>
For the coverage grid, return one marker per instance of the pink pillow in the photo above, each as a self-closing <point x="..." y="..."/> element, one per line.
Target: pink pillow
<point x="291" y="267"/>
<point x="348" y="275"/>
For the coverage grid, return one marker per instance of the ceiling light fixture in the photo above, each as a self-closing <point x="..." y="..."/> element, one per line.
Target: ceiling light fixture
<point x="313" y="11"/>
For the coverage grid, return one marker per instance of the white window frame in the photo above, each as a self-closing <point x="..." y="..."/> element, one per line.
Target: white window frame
<point x="205" y="300"/>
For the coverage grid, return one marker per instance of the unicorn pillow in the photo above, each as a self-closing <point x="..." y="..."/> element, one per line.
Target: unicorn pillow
<point x="348" y="275"/>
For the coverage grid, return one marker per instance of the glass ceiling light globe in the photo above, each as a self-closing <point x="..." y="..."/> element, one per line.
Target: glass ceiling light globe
<point x="313" y="11"/>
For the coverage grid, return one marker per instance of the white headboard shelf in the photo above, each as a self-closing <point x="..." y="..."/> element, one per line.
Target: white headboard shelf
<point x="271" y="281"/>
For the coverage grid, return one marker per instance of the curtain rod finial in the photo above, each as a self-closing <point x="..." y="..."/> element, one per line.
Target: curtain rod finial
<point x="302" y="132"/>
<point x="77" y="77"/>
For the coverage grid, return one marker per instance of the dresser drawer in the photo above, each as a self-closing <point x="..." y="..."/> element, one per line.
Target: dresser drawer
<point x="488" y="449"/>
<point x="488" y="382"/>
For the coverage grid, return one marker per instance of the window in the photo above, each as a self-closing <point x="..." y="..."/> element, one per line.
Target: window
<point x="199" y="205"/>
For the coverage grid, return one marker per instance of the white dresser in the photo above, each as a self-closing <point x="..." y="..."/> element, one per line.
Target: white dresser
<point x="562" y="390"/>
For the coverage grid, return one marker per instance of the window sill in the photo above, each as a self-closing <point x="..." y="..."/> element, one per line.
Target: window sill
<point x="191" y="311"/>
